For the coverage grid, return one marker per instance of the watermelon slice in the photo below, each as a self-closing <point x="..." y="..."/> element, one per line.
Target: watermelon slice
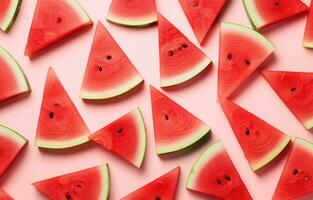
<point x="13" y="81"/>
<point x="242" y="51"/>
<point x="135" y="13"/>
<point x="109" y="72"/>
<point x="308" y="34"/>
<point x="163" y="188"/>
<point x="88" y="184"/>
<point x="180" y="59"/>
<point x="125" y="137"/>
<point x="201" y="15"/>
<point x="9" y="10"/>
<point x="174" y="127"/>
<point x="11" y="144"/>
<point x="297" y="177"/>
<point x="265" y="13"/>
<point x="60" y="124"/>
<point x="215" y="175"/>
<point x="53" y="21"/>
<point x="296" y="90"/>
<point x="4" y="195"/>
<point x="260" y="142"/>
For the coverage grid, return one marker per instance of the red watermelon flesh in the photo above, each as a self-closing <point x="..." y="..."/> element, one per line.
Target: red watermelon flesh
<point x="163" y="188"/>
<point x="265" y="13"/>
<point x="136" y="13"/>
<point x="180" y="59"/>
<point x="60" y="124"/>
<point x="109" y="72"/>
<point x="4" y="195"/>
<point x="260" y="142"/>
<point x="88" y="184"/>
<point x="242" y="51"/>
<point x="201" y="15"/>
<point x="125" y="137"/>
<point x="13" y="81"/>
<point x="175" y="128"/>
<point x="11" y="144"/>
<point x="215" y="175"/>
<point x="53" y="21"/>
<point x="8" y="12"/>
<point x="296" y="90"/>
<point x="297" y="177"/>
<point x="308" y="34"/>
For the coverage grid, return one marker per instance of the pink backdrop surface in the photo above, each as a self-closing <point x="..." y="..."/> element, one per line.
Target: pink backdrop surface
<point x="199" y="96"/>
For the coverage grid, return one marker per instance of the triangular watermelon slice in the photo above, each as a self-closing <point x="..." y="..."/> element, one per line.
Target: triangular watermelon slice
<point x="60" y="124"/>
<point x="4" y="195"/>
<point x="260" y="142"/>
<point x="265" y="13"/>
<point x="215" y="175"/>
<point x="134" y="13"/>
<point x="53" y="21"/>
<point x="242" y="51"/>
<point x="296" y="90"/>
<point x="109" y="72"/>
<point x="162" y="188"/>
<point x="88" y="184"/>
<point x="180" y="59"/>
<point x="175" y="128"/>
<point x="126" y="137"/>
<point x="15" y="82"/>
<point x="11" y="144"/>
<point x="9" y="10"/>
<point x="201" y="15"/>
<point x="297" y="177"/>
<point x="308" y="34"/>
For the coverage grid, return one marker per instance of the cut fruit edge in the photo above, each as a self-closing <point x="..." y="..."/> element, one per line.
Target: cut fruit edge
<point x="11" y="16"/>
<point x="62" y="144"/>
<point x="15" y="136"/>
<point x="132" y="22"/>
<point x="80" y="9"/>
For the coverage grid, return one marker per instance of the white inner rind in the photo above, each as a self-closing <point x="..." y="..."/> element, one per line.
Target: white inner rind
<point x="105" y="190"/>
<point x="6" y="23"/>
<point x="78" y="7"/>
<point x="308" y="124"/>
<point x="308" y="146"/>
<point x="253" y="14"/>
<point x="13" y="135"/>
<point x="143" y="21"/>
<point x="55" y="144"/>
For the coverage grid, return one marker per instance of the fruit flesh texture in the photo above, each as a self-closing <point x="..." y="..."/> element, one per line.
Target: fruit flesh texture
<point x="308" y="35"/>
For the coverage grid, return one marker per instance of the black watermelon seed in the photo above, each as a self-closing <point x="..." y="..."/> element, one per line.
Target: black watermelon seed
<point x="120" y="130"/>
<point x="195" y="4"/>
<point x="227" y="177"/>
<point x="293" y="89"/>
<point x="166" y="117"/>
<point x="247" y="131"/>
<point x="68" y="196"/>
<point x="157" y="198"/>
<point x="51" y="115"/>
<point x="100" y="69"/>
<point x="295" y="171"/>
<point x="229" y="56"/>
<point x="170" y="53"/>
<point x="218" y="181"/>
<point x="247" y="62"/>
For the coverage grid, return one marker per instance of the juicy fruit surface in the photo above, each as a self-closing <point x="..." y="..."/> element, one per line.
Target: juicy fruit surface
<point x="4" y="195"/>
<point x="175" y="128"/>
<point x="296" y="91"/>
<point x="201" y="15"/>
<point x="109" y="71"/>
<point x="215" y="175"/>
<point x="242" y="51"/>
<point x="180" y="59"/>
<point x="8" y="12"/>
<point x="53" y="21"/>
<point x="163" y="188"/>
<point x="60" y="124"/>
<point x="11" y="144"/>
<point x="260" y="141"/>
<point x="125" y="137"/>
<point x="264" y="13"/>
<point x="308" y="34"/>
<point x="88" y="184"/>
<point x="132" y="13"/>
<point x="297" y="177"/>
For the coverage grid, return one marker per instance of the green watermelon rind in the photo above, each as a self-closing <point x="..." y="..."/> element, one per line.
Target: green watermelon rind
<point x="255" y="20"/>
<point x="80" y="9"/>
<point x="307" y="44"/>
<point x="48" y="144"/>
<point x="308" y="124"/>
<point x="146" y="21"/>
<point x="15" y="136"/>
<point x="172" y="81"/>
<point x="306" y="144"/>
<point x="106" y="182"/>
<point x="11" y="17"/>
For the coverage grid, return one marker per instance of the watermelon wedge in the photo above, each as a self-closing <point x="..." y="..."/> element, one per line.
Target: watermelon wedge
<point x="163" y="188"/>
<point x="297" y="177"/>
<point x="9" y="10"/>
<point x="4" y="195"/>
<point x="88" y="184"/>
<point x="242" y="51"/>
<point x="215" y="175"/>
<point x="175" y="128"/>
<point x="53" y="21"/>
<point x="308" y="34"/>
<point x="109" y="72"/>
<point x="265" y="13"/>
<point x="296" y="90"/>
<point x="125" y="137"/>
<point x="13" y="81"/>
<point x="180" y="59"/>
<point x="201" y="15"/>
<point x="60" y="124"/>
<point x="135" y="13"/>
<point x="260" y="142"/>
<point x="11" y="144"/>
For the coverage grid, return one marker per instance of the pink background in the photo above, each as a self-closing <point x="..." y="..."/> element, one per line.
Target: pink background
<point x="141" y="45"/>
